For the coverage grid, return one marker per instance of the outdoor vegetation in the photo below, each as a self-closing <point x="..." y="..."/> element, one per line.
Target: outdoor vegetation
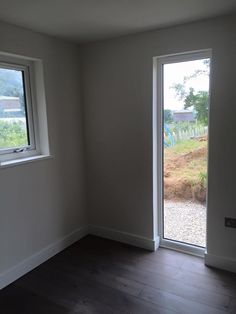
<point x="12" y="123"/>
<point x="185" y="170"/>
<point x="12" y="134"/>
<point x="185" y="153"/>
<point x="11" y="84"/>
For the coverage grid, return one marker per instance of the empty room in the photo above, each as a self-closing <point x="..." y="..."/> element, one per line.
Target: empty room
<point x="117" y="156"/>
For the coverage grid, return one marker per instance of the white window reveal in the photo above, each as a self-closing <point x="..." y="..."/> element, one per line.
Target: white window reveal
<point x="23" y="122"/>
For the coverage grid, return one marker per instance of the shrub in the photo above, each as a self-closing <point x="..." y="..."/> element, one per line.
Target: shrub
<point x="12" y="134"/>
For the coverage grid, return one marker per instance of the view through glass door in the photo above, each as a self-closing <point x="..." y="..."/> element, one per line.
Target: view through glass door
<point x="185" y="150"/>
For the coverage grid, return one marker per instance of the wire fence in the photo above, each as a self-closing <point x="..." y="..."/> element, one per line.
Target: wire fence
<point x="176" y="132"/>
<point x="192" y="132"/>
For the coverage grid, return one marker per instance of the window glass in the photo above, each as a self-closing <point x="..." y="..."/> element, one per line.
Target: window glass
<point x="14" y="131"/>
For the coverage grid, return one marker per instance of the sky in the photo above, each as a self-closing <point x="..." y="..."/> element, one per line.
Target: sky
<point x="175" y="73"/>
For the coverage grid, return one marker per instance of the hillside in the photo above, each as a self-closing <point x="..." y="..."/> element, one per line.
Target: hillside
<point x="185" y="170"/>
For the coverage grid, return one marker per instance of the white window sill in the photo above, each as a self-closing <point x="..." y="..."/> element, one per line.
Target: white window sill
<point x="20" y="161"/>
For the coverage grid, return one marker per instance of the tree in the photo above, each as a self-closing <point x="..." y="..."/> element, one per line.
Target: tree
<point x="199" y="72"/>
<point x="197" y="100"/>
<point x="168" y="117"/>
<point x="11" y="84"/>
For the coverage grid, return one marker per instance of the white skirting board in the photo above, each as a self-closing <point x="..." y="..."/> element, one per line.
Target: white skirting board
<point x="220" y="262"/>
<point x="125" y="237"/>
<point x="38" y="258"/>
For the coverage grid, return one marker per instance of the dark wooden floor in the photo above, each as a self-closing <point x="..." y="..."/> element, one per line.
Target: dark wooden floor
<point x="101" y="276"/>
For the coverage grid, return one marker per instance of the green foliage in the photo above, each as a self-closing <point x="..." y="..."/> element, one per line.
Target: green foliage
<point x="199" y="72"/>
<point x="180" y="90"/>
<point x="181" y="126"/>
<point x="185" y="146"/>
<point x="196" y="100"/>
<point x="11" y="84"/>
<point x="168" y="117"/>
<point x="199" y="102"/>
<point x="185" y="164"/>
<point x="12" y="134"/>
<point x="203" y="178"/>
<point x="183" y="130"/>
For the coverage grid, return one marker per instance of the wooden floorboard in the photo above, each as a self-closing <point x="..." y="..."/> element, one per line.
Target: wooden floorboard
<point x="101" y="276"/>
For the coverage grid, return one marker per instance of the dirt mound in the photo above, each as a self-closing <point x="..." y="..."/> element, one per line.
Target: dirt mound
<point x="184" y="159"/>
<point x="181" y="176"/>
<point x="177" y="189"/>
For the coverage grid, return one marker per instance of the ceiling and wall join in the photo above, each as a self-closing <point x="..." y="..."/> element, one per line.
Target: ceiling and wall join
<point x="90" y="20"/>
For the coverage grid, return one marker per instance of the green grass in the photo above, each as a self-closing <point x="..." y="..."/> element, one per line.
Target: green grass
<point x="12" y="134"/>
<point x="186" y="161"/>
<point x="184" y="147"/>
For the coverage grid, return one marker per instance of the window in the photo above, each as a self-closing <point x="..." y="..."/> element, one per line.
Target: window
<point x="22" y="109"/>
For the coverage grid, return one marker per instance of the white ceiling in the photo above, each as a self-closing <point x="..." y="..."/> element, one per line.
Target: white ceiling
<point x="88" y="20"/>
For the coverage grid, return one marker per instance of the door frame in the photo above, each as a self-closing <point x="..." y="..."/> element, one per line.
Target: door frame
<point x="158" y="162"/>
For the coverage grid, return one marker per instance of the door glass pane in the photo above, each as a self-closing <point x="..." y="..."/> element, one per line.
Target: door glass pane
<point x="185" y="137"/>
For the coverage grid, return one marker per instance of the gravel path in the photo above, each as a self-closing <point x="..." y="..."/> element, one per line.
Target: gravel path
<point x="185" y="222"/>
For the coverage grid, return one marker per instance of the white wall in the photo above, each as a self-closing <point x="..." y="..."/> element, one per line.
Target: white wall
<point x="43" y="201"/>
<point x="117" y="95"/>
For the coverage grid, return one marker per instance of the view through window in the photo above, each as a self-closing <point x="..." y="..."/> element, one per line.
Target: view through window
<point x="13" y="110"/>
<point x="185" y="137"/>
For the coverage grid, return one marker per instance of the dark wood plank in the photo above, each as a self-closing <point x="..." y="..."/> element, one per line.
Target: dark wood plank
<point x="68" y="290"/>
<point x="110" y="272"/>
<point x="101" y="276"/>
<point x="156" y="296"/>
<point x="176" y="303"/>
<point x="15" y="300"/>
<point x="194" y="273"/>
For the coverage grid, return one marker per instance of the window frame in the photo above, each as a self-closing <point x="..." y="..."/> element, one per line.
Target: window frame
<point x="27" y="66"/>
<point x="158" y="94"/>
